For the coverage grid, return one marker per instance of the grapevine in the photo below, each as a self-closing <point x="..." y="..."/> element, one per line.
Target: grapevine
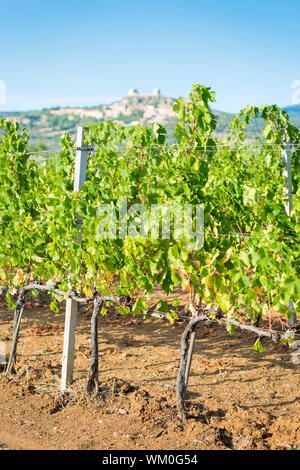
<point x="248" y="264"/>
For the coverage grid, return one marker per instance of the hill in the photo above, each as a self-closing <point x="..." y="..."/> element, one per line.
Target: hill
<point x="47" y="125"/>
<point x="294" y="113"/>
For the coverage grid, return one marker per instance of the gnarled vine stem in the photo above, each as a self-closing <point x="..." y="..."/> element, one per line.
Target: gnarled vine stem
<point x="92" y="383"/>
<point x="17" y="321"/>
<point x="185" y="358"/>
<point x="20" y="307"/>
<point x="182" y="376"/>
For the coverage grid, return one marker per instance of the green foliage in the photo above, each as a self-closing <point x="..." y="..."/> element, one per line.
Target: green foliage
<point x="250" y="255"/>
<point x="258" y="346"/>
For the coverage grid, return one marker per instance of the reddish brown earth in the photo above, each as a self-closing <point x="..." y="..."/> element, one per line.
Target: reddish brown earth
<point x="237" y="398"/>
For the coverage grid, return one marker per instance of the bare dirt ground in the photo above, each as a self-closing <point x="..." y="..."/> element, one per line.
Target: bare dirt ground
<point x="237" y="398"/>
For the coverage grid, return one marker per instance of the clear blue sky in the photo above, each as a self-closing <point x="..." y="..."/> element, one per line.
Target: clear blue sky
<point x="90" y="52"/>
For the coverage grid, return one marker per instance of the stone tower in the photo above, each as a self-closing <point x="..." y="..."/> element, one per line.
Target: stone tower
<point x="132" y="92"/>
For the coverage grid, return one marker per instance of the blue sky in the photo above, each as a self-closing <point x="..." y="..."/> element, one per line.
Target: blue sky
<point x="90" y="52"/>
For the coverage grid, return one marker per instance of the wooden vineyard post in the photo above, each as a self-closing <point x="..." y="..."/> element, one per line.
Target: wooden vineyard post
<point x="72" y="305"/>
<point x="286" y="157"/>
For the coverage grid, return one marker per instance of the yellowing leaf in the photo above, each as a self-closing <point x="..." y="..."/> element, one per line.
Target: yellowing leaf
<point x="258" y="290"/>
<point x="209" y="282"/>
<point x="87" y="291"/>
<point x="19" y="276"/>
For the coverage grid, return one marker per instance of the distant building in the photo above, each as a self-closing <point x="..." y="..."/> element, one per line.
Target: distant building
<point x="132" y="92"/>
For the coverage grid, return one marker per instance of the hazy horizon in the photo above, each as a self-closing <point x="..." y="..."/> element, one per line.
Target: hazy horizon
<point x="115" y="100"/>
